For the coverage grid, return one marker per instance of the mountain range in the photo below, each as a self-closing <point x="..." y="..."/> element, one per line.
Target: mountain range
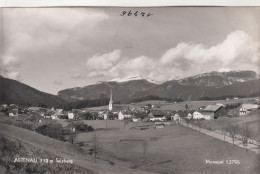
<point x="213" y="85"/>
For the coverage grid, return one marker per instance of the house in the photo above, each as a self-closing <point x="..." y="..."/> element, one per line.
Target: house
<point x="246" y="109"/>
<point x="105" y="116"/>
<point x="13" y="112"/>
<point x="135" y="120"/>
<point x="70" y="115"/>
<point x="189" y="116"/>
<point x="122" y="111"/>
<point x="156" y="115"/>
<point x="212" y="112"/>
<point x="3" y="107"/>
<point x="124" y="114"/>
<point x="197" y="115"/>
<point x="176" y="118"/>
<point x="54" y="117"/>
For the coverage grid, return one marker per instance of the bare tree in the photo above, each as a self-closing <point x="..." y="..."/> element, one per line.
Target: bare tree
<point x="246" y="135"/>
<point x="232" y="129"/>
<point x="72" y="132"/>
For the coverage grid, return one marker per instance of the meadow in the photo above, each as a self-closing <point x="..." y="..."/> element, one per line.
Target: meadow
<point x="174" y="149"/>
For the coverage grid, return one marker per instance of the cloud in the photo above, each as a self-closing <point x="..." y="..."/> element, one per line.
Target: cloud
<point x="58" y="82"/>
<point x="13" y="75"/>
<point x="31" y="34"/>
<point x="8" y="67"/>
<point x="100" y="64"/>
<point x="237" y="51"/>
<point x="41" y="30"/>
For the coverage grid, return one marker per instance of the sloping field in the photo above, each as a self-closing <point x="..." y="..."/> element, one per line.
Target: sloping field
<point x="252" y="121"/>
<point x="62" y="149"/>
<point x="174" y="149"/>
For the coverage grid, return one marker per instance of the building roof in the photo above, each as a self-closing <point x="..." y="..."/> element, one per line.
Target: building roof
<point x="122" y="108"/>
<point x="249" y="106"/>
<point x="157" y="113"/>
<point x="212" y="108"/>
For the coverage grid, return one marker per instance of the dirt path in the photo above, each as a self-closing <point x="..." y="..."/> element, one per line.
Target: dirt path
<point x="238" y="143"/>
<point x="63" y="150"/>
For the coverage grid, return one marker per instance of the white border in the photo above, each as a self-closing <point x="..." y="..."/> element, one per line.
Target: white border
<point x="126" y="3"/>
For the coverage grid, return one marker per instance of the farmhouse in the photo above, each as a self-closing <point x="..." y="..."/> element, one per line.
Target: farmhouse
<point x="246" y="109"/>
<point x="213" y="112"/>
<point x="156" y="115"/>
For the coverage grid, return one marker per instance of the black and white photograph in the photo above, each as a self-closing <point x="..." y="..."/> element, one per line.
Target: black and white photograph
<point x="130" y="90"/>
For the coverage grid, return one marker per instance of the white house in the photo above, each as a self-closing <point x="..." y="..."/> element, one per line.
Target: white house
<point x="122" y="111"/>
<point x="246" y="109"/>
<point x="70" y="115"/>
<point x="189" y="116"/>
<point x="54" y="117"/>
<point x="122" y="115"/>
<point x="176" y="118"/>
<point x="197" y="115"/>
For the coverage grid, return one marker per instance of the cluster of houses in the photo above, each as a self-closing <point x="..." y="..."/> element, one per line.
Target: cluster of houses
<point x="145" y="113"/>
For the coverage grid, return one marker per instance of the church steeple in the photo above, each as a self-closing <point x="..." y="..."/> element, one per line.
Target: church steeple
<point x="110" y="106"/>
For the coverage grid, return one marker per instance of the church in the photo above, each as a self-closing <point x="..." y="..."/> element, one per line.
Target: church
<point x="122" y="111"/>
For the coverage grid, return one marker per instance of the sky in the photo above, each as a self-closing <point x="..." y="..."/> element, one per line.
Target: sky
<point x="52" y="49"/>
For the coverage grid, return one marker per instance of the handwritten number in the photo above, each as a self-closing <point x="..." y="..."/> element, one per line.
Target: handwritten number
<point x="123" y="13"/>
<point x="130" y="13"/>
<point x="136" y="13"/>
<point x="149" y="14"/>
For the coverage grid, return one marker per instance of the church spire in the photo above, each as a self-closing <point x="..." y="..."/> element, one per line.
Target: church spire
<point x="110" y="107"/>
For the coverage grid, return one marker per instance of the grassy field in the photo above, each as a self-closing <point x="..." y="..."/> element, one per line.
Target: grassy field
<point x="174" y="149"/>
<point x="252" y="121"/>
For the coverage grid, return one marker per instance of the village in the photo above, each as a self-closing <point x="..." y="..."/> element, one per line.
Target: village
<point x="135" y="112"/>
<point x="106" y="132"/>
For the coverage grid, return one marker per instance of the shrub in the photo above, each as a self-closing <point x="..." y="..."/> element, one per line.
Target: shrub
<point x="90" y="129"/>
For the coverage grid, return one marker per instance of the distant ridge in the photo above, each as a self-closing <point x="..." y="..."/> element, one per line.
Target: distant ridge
<point x="14" y="92"/>
<point x="215" y="84"/>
